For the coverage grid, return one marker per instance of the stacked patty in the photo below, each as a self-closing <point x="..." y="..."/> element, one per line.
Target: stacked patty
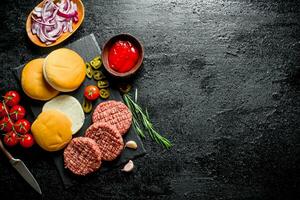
<point x="108" y="138"/>
<point x="82" y="156"/>
<point x="111" y="120"/>
<point x="115" y="113"/>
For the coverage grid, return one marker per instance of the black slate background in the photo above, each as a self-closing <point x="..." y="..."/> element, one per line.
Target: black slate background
<point x="220" y="79"/>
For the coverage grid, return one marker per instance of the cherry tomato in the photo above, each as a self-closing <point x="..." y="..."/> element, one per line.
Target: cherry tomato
<point x="91" y="92"/>
<point x="12" y="98"/>
<point x="2" y="110"/>
<point x="22" y="126"/>
<point x="26" y="140"/>
<point x="11" y="139"/>
<point x="5" y="124"/>
<point x="17" y="112"/>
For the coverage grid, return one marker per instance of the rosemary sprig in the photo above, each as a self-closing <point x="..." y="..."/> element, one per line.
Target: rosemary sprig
<point x="139" y="115"/>
<point x="136" y="124"/>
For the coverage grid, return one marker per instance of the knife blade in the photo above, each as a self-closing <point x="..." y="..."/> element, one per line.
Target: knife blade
<point x="25" y="173"/>
<point x="21" y="169"/>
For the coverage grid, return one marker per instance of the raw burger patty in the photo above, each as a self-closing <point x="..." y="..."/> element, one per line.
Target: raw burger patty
<point x="108" y="138"/>
<point x="82" y="156"/>
<point x="115" y="113"/>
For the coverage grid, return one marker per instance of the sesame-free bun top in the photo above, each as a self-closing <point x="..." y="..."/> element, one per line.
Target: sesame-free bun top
<point x="64" y="70"/>
<point x="52" y="130"/>
<point x="33" y="83"/>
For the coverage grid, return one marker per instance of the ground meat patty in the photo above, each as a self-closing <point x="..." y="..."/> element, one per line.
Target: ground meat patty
<point x="82" y="156"/>
<point x="115" y="113"/>
<point x="108" y="138"/>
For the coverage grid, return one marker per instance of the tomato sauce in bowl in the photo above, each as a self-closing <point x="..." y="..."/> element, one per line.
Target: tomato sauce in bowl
<point x="122" y="56"/>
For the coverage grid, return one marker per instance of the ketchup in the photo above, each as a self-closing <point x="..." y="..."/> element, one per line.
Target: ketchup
<point x="122" y="56"/>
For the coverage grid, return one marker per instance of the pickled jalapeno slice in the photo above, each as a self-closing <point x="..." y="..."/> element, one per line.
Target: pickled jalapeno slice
<point x="98" y="75"/>
<point x="87" y="105"/>
<point x="96" y="63"/>
<point x="104" y="93"/>
<point x="97" y="58"/>
<point x="103" y="84"/>
<point x="89" y="70"/>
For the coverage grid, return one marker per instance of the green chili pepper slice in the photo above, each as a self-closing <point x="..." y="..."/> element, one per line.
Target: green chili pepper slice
<point x="89" y="70"/>
<point x="125" y="88"/>
<point x="87" y="105"/>
<point x="97" y="58"/>
<point x="98" y="75"/>
<point x="104" y="93"/>
<point x="103" y="84"/>
<point x="96" y="63"/>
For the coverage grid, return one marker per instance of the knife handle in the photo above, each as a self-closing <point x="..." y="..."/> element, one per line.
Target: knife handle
<point x="7" y="154"/>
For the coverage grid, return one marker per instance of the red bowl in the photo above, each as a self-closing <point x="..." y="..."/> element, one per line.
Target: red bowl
<point x="107" y="46"/>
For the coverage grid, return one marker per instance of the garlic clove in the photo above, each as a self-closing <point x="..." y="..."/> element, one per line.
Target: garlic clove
<point x="128" y="167"/>
<point x="131" y="144"/>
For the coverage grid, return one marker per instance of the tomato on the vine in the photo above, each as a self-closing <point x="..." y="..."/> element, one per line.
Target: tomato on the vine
<point x="26" y="140"/>
<point x="12" y="98"/>
<point x="10" y="139"/>
<point x="91" y="92"/>
<point x="17" y="112"/>
<point x="2" y="110"/>
<point x="5" y="124"/>
<point x="22" y="126"/>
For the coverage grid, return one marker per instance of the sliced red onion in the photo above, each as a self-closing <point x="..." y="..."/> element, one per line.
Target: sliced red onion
<point x="53" y="15"/>
<point x="61" y="6"/>
<point x="56" y="31"/>
<point x="42" y="38"/>
<point x="47" y="15"/>
<point x="65" y="28"/>
<point x="46" y="5"/>
<point x="33" y="28"/>
<point x="53" y="19"/>
<point x="68" y="14"/>
<point x="70" y="26"/>
<point x="75" y="19"/>
<point x="38" y="9"/>
<point x="67" y="5"/>
<point x="74" y="5"/>
<point x="37" y="14"/>
<point x="40" y="22"/>
<point x="46" y="36"/>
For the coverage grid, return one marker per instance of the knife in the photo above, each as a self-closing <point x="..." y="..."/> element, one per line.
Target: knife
<point x="21" y="169"/>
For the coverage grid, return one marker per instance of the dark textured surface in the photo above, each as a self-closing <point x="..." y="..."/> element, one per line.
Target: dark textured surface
<point x="220" y="79"/>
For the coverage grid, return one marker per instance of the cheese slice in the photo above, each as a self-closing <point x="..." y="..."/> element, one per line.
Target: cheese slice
<point x="64" y="70"/>
<point x="33" y="83"/>
<point x="52" y="130"/>
<point x="69" y="106"/>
